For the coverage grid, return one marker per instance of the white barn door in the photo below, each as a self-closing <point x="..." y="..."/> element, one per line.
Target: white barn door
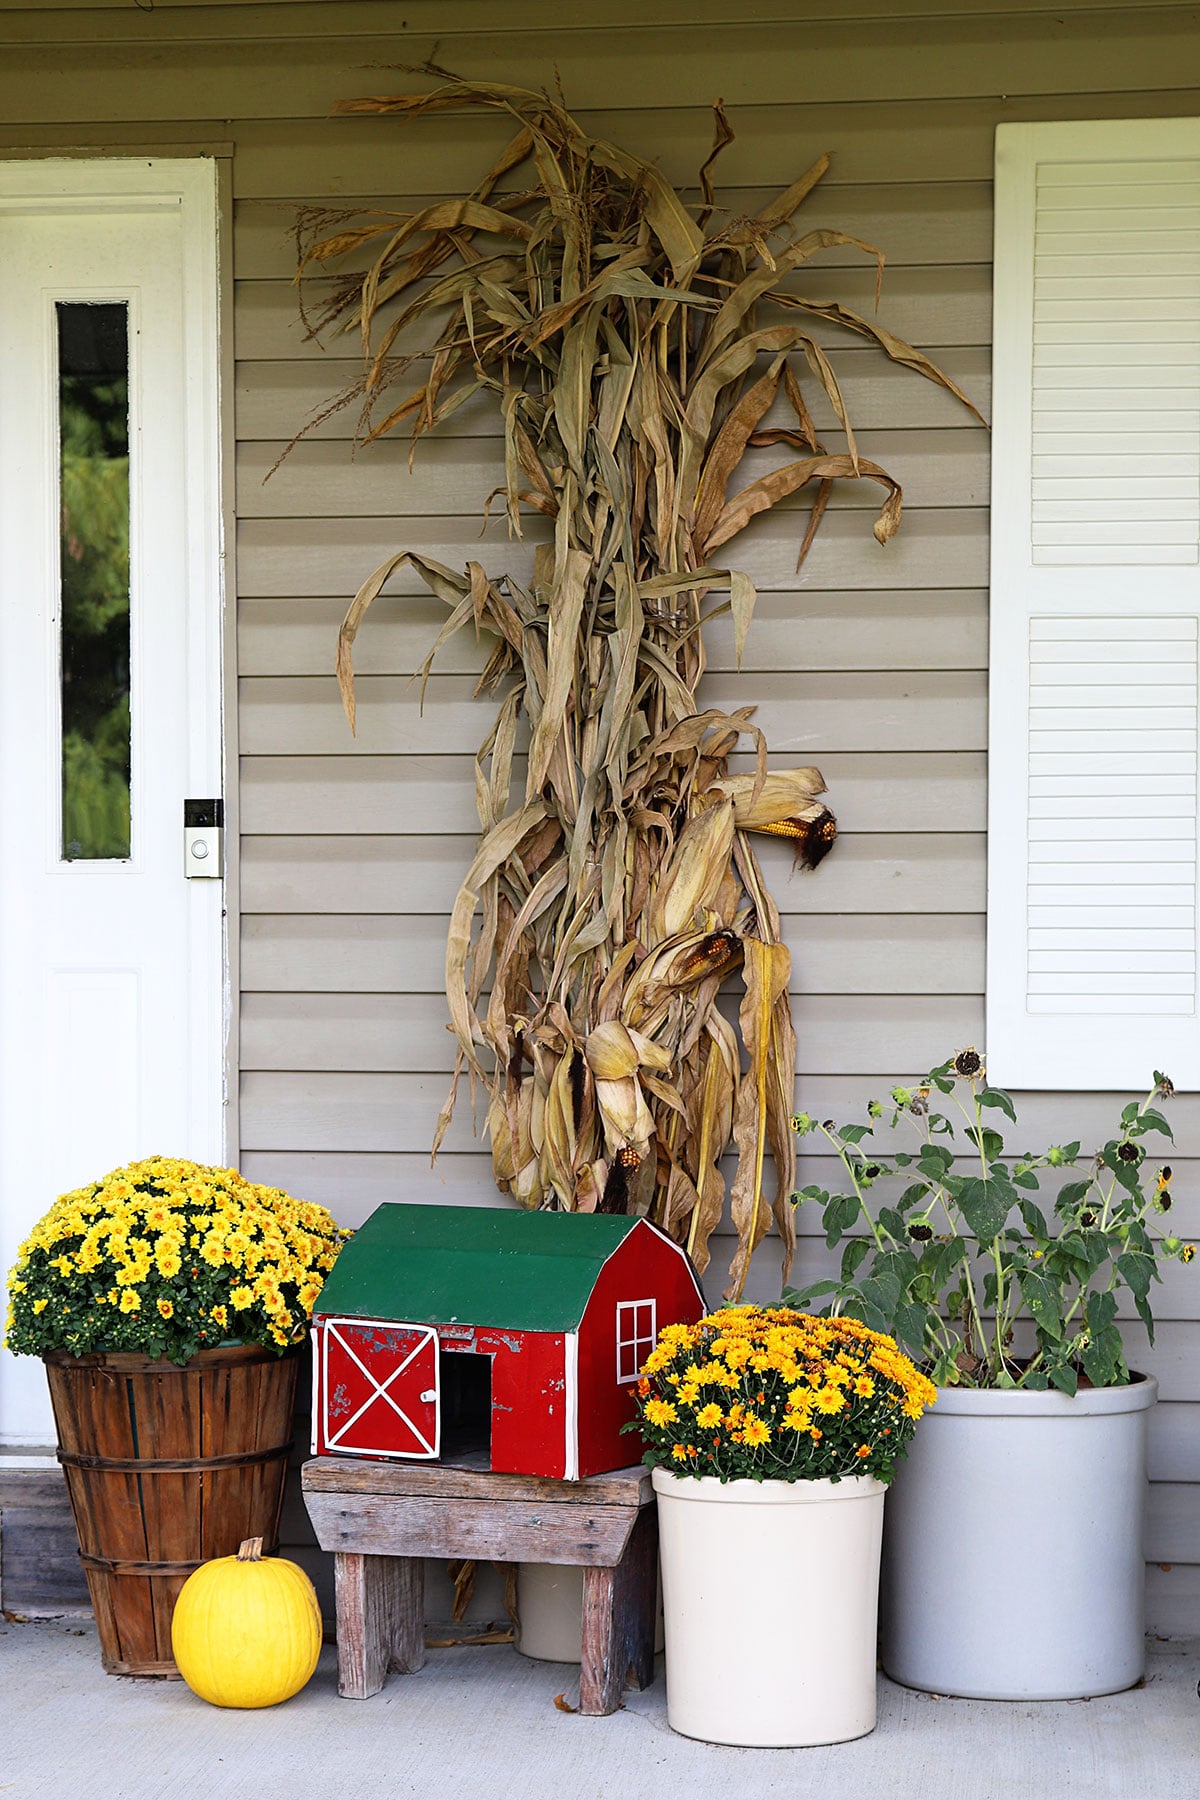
<point x="111" y="959"/>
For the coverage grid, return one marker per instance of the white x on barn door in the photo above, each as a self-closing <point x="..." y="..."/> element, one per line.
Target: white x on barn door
<point x="378" y="1388"/>
<point x="111" y="961"/>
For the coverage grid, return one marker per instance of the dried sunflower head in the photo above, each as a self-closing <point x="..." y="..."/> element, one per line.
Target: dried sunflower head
<point x="969" y="1064"/>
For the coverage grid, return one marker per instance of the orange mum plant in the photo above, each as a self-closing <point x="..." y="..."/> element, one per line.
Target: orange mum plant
<point x="754" y="1393"/>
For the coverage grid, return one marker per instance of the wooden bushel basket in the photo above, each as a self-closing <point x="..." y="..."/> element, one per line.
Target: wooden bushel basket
<point x="167" y="1467"/>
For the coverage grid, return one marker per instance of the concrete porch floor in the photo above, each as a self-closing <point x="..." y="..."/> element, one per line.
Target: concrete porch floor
<point x="482" y="1721"/>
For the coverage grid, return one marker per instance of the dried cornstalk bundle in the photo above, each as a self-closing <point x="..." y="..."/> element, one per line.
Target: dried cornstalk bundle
<point x="634" y="347"/>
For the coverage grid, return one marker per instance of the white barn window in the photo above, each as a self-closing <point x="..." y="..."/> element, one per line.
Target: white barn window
<point x="637" y="1328"/>
<point x="1095" y="606"/>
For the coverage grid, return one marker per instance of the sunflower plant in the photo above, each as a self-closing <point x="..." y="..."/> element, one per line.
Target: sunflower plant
<point x="769" y="1394"/>
<point x="167" y="1258"/>
<point x="991" y="1273"/>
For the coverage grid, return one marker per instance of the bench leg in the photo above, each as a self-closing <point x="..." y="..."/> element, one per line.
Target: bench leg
<point x="618" y="1621"/>
<point x="380" y="1620"/>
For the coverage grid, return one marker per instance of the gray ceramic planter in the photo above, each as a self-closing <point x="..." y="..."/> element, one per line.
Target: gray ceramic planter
<point x="1013" y="1546"/>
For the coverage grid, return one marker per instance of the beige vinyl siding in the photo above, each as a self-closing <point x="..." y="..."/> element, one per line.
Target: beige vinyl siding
<point x="872" y="664"/>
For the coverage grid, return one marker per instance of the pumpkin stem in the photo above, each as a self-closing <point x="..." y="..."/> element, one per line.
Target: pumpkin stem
<point x="250" y="1550"/>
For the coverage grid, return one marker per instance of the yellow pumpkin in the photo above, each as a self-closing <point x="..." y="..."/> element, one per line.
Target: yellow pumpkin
<point x="246" y="1630"/>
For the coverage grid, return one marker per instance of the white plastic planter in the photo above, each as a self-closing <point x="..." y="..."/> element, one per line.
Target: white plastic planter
<point x="744" y="1666"/>
<point x="550" y="1612"/>
<point x="1013" y="1558"/>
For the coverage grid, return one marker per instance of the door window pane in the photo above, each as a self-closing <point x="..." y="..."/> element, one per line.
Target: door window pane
<point x="93" y="397"/>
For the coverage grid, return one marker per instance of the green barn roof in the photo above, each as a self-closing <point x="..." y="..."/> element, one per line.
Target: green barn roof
<point x="438" y="1265"/>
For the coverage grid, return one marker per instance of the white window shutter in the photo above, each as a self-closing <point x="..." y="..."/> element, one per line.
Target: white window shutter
<point x="1095" y="606"/>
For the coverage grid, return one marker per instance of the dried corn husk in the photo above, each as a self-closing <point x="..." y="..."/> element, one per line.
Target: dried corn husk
<point x="611" y="1052"/>
<point x="782" y="794"/>
<point x="636" y="348"/>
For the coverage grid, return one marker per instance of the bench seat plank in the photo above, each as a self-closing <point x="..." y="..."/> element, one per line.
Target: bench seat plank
<point x="382" y="1518"/>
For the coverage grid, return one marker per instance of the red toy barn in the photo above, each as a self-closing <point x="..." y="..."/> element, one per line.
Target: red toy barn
<point x="507" y="1340"/>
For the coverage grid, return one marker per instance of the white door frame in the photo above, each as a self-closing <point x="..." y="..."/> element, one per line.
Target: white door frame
<point x="60" y="187"/>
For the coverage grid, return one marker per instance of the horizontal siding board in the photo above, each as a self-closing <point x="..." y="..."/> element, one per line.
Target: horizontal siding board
<point x="351" y="1032"/>
<point x="370" y="953"/>
<point x="395" y="1112"/>
<point x="897" y="141"/>
<point x="1174" y="1441"/>
<point x="1174" y="1297"/>
<point x="1173" y="1523"/>
<point x="40" y="1570"/>
<point x="393" y="1032"/>
<point x="330" y="555"/>
<point x="946" y="57"/>
<point x="456" y="475"/>
<point x="342" y="1112"/>
<point x="360" y="1178"/>
<point x="1045" y="1118"/>
<point x="188" y="21"/>
<point x="351" y="18"/>
<point x="919" y="223"/>
<point x="908" y="629"/>
<point x="914" y="873"/>
<point x="1172" y="1599"/>
<point x="1173" y="1358"/>
<point x="346" y="1113"/>
<point x="287" y="160"/>
<point x="1174" y="1300"/>
<point x="285" y="1112"/>
<point x="894" y="140"/>
<point x="277" y="396"/>
<point x="937" y="791"/>
<point x="935" y="546"/>
<point x="802" y="715"/>
<point x="334" y="1177"/>
<point x="353" y="1185"/>
<point x="165" y="137"/>
<point x="936" y="305"/>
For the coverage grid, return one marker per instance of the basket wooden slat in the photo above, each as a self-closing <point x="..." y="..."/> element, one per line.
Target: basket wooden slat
<point x="222" y="1424"/>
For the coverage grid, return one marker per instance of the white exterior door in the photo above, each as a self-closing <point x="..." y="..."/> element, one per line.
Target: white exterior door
<point x="111" y="959"/>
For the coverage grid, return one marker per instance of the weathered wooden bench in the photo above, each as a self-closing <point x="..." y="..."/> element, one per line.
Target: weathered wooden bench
<point x="381" y="1519"/>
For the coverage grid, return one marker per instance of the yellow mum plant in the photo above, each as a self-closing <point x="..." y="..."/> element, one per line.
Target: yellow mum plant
<point x="166" y="1258"/>
<point x="761" y="1394"/>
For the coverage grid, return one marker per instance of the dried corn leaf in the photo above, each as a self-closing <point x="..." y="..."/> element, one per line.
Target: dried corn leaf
<point x="766" y="971"/>
<point x="613" y="888"/>
<point x="611" y="1052"/>
<point x="758" y="496"/>
<point x="723" y="136"/>
<point x="783" y="794"/>
<point x="717" y="1087"/>
<point x="695" y="871"/>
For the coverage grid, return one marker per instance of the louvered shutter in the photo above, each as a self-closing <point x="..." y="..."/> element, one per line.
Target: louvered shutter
<point x="1095" y="606"/>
